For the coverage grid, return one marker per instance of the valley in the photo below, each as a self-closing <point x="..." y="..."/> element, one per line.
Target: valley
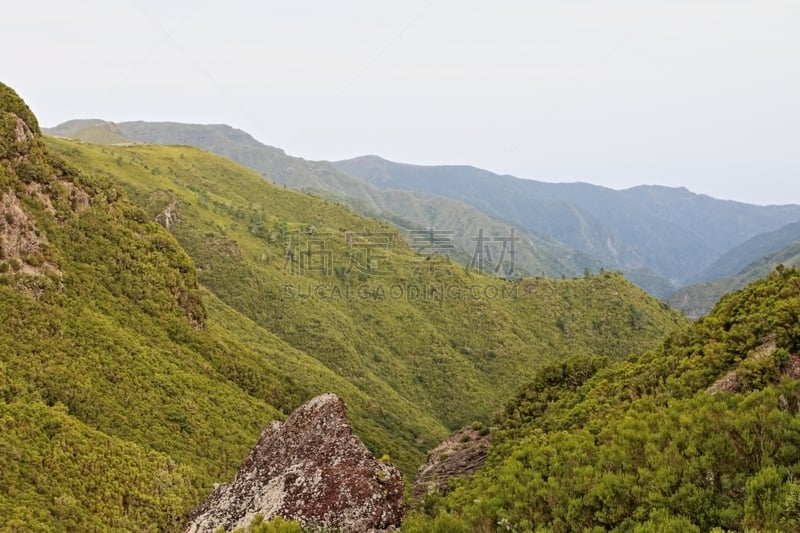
<point x="400" y="267"/>
<point x="162" y="328"/>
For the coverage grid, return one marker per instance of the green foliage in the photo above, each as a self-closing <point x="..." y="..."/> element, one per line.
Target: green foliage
<point x="138" y="365"/>
<point x="117" y="409"/>
<point x="55" y="470"/>
<point x="275" y="525"/>
<point x="407" y="210"/>
<point x="250" y="242"/>
<point x="643" y="445"/>
<point x="10" y="102"/>
<point x="442" y="523"/>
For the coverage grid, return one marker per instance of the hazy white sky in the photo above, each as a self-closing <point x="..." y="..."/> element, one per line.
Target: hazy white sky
<point x="695" y="93"/>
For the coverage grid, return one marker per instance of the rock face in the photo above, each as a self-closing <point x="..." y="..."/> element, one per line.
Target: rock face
<point x="461" y="454"/>
<point x="312" y="469"/>
<point x="25" y="170"/>
<point x="733" y="382"/>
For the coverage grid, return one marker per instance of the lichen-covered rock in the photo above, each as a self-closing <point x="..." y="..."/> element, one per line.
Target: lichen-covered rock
<point x="461" y="454"/>
<point x="312" y="469"/>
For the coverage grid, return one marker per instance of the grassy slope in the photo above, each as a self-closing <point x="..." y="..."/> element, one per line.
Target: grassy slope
<point x="535" y="254"/>
<point x="103" y="359"/>
<point x="453" y="359"/>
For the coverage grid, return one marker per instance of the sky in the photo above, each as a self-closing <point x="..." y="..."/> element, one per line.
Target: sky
<point x="695" y="93"/>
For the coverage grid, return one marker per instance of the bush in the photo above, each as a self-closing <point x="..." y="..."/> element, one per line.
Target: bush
<point x="276" y="525"/>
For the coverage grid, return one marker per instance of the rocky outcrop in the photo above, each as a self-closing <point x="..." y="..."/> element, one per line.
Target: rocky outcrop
<point x="20" y="240"/>
<point x="169" y="216"/>
<point x="22" y="244"/>
<point x="312" y="469"/>
<point x="460" y="455"/>
<point x="735" y="380"/>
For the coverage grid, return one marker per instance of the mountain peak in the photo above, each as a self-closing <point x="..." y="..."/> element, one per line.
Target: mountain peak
<point x="11" y="102"/>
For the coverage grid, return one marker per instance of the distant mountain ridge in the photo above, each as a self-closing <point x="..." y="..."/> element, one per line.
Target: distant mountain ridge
<point x="762" y="245"/>
<point x="698" y="299"/>
<point x="672" y="231"/>
<point x="661" y="238"/>
<point x="410" y="211"/>
<point x="90" y="130"/>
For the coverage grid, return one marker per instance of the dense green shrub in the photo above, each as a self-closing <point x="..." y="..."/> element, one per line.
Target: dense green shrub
<point x="646" y="445"/>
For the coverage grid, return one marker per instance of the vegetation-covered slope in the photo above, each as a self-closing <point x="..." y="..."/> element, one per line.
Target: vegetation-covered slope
<point x="409" y="211"/>
<point x="117" y="406"/>
<point x="701" y="433"/>
<point x="122" y="400"/>
<point x="139" y="364"/>
<point x="349" y="292"/>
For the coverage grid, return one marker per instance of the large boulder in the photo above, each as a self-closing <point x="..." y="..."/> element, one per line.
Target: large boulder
<point x="312" y="469"/>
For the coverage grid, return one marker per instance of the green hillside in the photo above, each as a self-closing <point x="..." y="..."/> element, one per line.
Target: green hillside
<point x="411" y="212"/>
<point x="161" y="305"/>
<point x="698" y="299"/>
<point x="90" y="130"/>
<point x="697" y="434"/>
<point x="396" y="324"/>
<point x="126" y="389"/>
<point x="116" y="406"/>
